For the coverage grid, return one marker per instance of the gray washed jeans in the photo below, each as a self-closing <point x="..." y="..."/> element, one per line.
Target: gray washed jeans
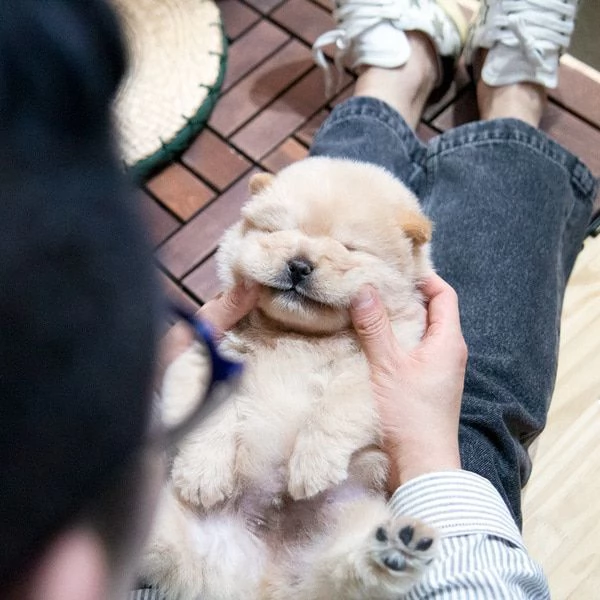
<point x="510" y="209"/>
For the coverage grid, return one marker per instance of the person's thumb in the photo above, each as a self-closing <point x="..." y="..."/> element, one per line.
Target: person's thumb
<point x="224" y="311"/>
<point x="373" y="328"/>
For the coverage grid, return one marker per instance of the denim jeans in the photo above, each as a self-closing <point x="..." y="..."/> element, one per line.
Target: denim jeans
<point x="510" y="209"/>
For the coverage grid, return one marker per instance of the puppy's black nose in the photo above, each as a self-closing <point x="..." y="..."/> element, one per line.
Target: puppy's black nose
<point x="300" y="269"/>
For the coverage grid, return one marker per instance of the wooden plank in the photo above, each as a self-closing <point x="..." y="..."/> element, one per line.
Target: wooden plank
<point x="283" y="117"/>
<point x="264" y="6"/>
<point x="250" y="49"/>
<point x="214" y="160"/>
<point x="260" y="87"/>
<point x="180" y="190"/>
<point x="237" y="17"/>
<point x="198" y="238"/>
<point x="579" y="89"/>
<point x="175" y="293"/>
<point x="574" y="134"/>
<point x="285" y="154"/>
<point x="307" y="132"/>
<point x="203" y="280"/>
<point x="159" y="222"/>
<point x="304" y="19"/>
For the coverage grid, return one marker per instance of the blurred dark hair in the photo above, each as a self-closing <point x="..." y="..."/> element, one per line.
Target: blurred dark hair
<point x="77" y="292"/>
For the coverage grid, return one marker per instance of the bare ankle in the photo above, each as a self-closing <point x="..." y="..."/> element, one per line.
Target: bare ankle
<point x="525" y="101"/>
<point x="406" y="88"/>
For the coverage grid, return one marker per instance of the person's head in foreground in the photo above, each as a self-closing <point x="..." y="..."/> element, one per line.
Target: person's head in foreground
<point x="77" y="309"/>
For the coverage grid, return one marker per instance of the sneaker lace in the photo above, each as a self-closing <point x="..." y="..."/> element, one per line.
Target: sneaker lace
<point x="538" y="25"/>
<point x="354" y="18"/>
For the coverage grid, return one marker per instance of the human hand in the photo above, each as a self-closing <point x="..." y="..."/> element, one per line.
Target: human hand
<point x="417" y="393"/>
<point x="222" y="312"/>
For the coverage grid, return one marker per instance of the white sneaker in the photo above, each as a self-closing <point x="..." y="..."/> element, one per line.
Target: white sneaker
<point x="371" y="32"/>
<point x="525" y="39"/>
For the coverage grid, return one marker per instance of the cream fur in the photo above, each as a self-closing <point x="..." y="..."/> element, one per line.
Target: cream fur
<point x="279" y="494"/>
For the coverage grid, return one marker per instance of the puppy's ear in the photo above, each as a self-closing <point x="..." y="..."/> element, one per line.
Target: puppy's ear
<point x="416" y="226"/>
<point x="259" y="182"/>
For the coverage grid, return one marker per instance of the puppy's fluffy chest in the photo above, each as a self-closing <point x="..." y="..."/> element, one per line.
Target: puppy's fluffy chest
<point x="287" y="377"/>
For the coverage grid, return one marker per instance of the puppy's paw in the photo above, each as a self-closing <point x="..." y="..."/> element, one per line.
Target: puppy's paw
<point x="404" y="546"/>
<point x="311" y="470"/>
<point x="204" y="480"/>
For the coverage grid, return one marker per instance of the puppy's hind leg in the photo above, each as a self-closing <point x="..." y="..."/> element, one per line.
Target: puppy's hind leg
<point x="367" y="554"/>
<point x="213" y="557"/>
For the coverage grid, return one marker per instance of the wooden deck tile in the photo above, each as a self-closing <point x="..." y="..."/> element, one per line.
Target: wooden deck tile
<point x="265" y="6"/>
<point x="307" y="132"/>
<point x="304" y="19"/>
<point x="285" y="154"/>
<point x="575" y="135"/>
<point x="198" y="238"/>
<point x="260" y="87"/>
<point x="203" y="281"/>
<point x="160" y="223"/>
<point x="283" y="117"/>
<point x="579" y="90"/>
<point x="214" y="160"/>
<point x="175" y="293"/>
<point x="250" y="49"/>
<point x="237" y="17"/>
<point x="178" y="189"/>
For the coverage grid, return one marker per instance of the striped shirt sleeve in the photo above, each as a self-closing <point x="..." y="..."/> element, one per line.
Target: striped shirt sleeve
<point x="482" y="555"/>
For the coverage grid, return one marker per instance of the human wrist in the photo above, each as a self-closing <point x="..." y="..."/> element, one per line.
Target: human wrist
<point x="413" y="460"/>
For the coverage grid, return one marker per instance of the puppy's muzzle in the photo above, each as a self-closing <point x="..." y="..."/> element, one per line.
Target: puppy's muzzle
<point x="299" y="270"/>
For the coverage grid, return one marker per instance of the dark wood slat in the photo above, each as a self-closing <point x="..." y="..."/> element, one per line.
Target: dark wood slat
<point x="174" y="293"/>
<point x="307" y="132"/>
<point x="285" y="154"/>
<point x="578" y="92"/>
<point x="237" y="17"/>
<point x="264" y="6"/>
<point x="159" y="222"/>
<point x="260" y="87"/>
<point x="203" y="280"/>
<point x="214" y="160"/>
<point x="180" y="190"/>
<point x="198" y="238"/>
<point x="283" y="117"/>
<point x="304" y="19"/>
<point x="575" y="135"/>
<point x="251" y="49"/>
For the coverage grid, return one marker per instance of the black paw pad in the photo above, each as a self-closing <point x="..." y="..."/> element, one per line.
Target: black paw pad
<point x="381" y="535"/>
<point x="406" y="534"/>
<point x="424" y="544"/>
<point x="394" y="563"/>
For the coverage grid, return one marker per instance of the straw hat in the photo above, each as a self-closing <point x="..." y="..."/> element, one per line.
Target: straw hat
<point x="177" y="62"/>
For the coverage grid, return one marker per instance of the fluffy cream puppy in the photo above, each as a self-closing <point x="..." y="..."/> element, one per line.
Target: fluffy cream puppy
<point x="279" y="494"/>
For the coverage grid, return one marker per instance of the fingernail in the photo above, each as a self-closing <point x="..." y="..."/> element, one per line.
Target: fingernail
<point x="363" y="299"/>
